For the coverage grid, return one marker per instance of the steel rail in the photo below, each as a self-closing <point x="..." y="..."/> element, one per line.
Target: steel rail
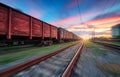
<point x="15" y="69"/>
<point x="70" y="66"/>
<point x="108" y="45"/>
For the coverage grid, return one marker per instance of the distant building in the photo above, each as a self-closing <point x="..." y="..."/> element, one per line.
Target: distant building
<point x="116" y="31"/>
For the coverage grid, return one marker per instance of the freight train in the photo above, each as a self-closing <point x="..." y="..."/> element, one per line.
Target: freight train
<point x="19" y="28"/>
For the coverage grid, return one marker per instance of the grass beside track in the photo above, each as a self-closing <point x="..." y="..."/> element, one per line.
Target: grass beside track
<point x="115" y="43"/>
<point x="19" y="55"/>
<point x="112" y="68"/>
<point x="97" y="50"/>
<point x="13" y="49"/>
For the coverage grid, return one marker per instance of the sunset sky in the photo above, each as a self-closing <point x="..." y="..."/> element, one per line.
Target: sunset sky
<point x="79" y="16"/>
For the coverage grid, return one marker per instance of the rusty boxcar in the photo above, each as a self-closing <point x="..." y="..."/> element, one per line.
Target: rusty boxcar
<point x="54" y="32"/>
<point x="15" y="25"/>
<point x="64" y="35"/>
<point x="19" y="27"/>
<point x="36" y="28"/>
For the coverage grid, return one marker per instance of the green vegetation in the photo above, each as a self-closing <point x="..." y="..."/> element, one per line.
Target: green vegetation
<point x="117" y="37"/>
<point x="5" y="50"/>
<point x="112" y="68"/>
<point x="96" y="49"/>
<point x="116" y="43"/>
<point x="101" y="38"/>
<point x="19" y="55"/>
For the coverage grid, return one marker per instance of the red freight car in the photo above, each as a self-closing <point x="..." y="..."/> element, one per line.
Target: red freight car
<point x="70" y="35"/>
<point x="60" y="34"/>
<point x="54" y="32"/>
<point x="46" y="30"/>
<point x="36" y="28"/>
<point x="13" y="23"/>
<point x="17" y="26"/>
<point x="3" y="20"/>
<point x="64" y="35"/>
<point x="20" y="24"/>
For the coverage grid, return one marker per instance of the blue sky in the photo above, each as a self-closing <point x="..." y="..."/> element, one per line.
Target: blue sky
<point x="69" y="13"/>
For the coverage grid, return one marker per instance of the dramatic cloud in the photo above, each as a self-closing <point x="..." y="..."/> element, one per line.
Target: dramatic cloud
<point x="91" y="14"/>
<point x="76" y="18"/>
<point x="101" y="26"/>
<point x="106" y="20"/>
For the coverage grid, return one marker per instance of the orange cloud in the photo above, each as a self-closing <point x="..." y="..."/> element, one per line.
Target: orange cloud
<point x="101" y="23"/>
<point x="76" y="18"/>
<point x="102" y="26"/>
<point x="105" y="22"/>
<point x="66" y="20"/>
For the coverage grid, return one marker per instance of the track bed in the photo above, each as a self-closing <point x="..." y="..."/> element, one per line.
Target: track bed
<point x="52" y="67"/>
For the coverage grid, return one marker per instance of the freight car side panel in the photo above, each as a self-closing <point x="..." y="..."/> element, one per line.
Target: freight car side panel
<point x="46" y="30"/>
<point x="20" y="24"/>
<point x="64" y="34"/>
<point x="53" y="32"/>
<point x="70" y="35"/>
<point x="67" y="35"/>
<point x="3" y="19"/>
<point x="61" y="33"/>
<point x="36" y="28"/>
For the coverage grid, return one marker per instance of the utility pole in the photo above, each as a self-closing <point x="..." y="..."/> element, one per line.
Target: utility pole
<point x="93" y="31"/>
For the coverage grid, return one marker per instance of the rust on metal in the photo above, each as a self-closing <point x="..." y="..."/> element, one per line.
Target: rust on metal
<point x="69" y="68"/>
<point x="50" y="32"/>
<point x="53" y="32"/>
<point x="42" y="31"/>
<point x="9" y="24"/>
<point x="3" y="19"/>
<point x="12" y="70"/>
<point x="36" y="28"/>
<point x="18" y="28"/>
<point x="30" y="28"/>
<point x="46" y="30"/>
<point x="107" y="44"/>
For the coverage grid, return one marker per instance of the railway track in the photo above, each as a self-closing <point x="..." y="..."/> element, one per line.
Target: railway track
<point x="107" y="44"/>
<point x="55" y="64"/>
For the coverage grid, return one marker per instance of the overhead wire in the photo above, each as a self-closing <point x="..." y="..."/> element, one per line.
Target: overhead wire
<point x="79" y="10"/>
<point x="108" y="7"/>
